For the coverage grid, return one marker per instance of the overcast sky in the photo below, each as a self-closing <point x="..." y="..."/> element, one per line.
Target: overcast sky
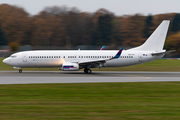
<point x="118" y="7"/>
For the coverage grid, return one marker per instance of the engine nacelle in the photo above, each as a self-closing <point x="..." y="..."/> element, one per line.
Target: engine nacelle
<point x="70" y="66"/>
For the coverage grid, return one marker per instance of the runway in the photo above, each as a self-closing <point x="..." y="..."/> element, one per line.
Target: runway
<point x="33" y="77"/>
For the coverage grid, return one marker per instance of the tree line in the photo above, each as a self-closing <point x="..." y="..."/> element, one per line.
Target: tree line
<point x="64" y="26"/>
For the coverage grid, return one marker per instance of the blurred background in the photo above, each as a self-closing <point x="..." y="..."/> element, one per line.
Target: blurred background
<point x="68" y="28"/>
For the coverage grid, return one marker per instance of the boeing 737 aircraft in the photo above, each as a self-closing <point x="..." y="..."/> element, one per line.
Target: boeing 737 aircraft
<point x="74" y="60"/>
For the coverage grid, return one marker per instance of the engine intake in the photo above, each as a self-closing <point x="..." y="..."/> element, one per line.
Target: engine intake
<point x="70" y="66"/>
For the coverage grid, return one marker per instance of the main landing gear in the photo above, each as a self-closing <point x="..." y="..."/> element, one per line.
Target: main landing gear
<point x="87" y="70"/>
<point x="20" y="70"/>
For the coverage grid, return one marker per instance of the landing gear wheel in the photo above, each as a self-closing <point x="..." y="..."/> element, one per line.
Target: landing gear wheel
<point x="87" y="71"/>
<point x="20" y="70"/>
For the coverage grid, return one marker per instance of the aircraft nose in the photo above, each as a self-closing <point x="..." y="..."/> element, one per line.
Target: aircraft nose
<point x="6" y="61"/>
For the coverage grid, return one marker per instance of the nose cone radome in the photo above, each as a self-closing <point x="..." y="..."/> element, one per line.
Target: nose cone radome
<point x="6" y="61"/>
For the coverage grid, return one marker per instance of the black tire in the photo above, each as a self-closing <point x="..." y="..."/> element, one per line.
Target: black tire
<point x="89" y="71"/>
<point x="85" y="70"/>
<point x="20" y="71"/>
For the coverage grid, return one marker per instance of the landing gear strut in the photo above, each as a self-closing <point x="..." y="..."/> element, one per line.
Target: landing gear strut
<point x="20" y="70"/>
<point x="87" y="70"/>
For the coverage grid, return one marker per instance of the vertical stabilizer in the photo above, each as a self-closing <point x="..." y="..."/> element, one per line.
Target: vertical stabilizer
<point x="156" y="41"/>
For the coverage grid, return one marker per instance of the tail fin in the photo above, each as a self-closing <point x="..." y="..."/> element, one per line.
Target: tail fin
<point x="156" y="41"/>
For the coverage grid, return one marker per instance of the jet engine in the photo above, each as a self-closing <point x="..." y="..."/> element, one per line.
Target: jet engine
<point x="70" y="66"/>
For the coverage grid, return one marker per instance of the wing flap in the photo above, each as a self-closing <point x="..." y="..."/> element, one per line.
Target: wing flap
<point x="93" y="61"/>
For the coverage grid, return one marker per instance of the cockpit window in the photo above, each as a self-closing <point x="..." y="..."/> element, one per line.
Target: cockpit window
<point x="13" y="56"/>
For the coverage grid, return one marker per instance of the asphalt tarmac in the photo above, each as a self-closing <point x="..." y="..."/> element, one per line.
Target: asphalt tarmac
<point x="34" y="77"/>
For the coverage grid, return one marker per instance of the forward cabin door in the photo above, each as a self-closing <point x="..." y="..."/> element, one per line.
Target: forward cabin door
<point x="24" y="62"/>
<point x="24" y="57"/>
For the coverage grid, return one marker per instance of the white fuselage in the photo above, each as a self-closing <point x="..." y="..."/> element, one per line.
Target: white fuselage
<point x="55" y="58"/>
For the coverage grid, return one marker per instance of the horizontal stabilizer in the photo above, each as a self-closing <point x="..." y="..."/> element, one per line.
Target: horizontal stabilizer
<point x="163" y="52"/>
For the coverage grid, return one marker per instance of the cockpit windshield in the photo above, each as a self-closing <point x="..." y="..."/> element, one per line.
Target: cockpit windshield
<point x="13" y="56"/>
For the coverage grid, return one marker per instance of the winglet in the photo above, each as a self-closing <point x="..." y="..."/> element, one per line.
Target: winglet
<point x="102" y="47"/>
<point x="118" y="54"/>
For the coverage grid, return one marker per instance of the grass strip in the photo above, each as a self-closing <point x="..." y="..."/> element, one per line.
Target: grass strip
<point x="97" y="101"/>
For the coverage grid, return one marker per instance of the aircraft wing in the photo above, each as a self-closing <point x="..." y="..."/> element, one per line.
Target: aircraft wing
<point x="93" y="61"/>
<point x="101" y="60"/>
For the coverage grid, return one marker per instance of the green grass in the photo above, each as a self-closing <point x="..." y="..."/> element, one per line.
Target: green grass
<point x="157" y="65"/>
<point x="97" y="101"/>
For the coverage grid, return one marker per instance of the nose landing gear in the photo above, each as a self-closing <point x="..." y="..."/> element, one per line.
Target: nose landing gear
<point x="20" y="70"/>
<point x="87" y="71"/>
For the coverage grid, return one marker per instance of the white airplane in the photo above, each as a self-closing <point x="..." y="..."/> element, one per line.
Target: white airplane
<point x="74" y="60"/>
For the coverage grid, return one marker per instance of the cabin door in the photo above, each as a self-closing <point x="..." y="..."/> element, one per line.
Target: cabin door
<point x="24" y="57"/>
<point x="140" y="57"/>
